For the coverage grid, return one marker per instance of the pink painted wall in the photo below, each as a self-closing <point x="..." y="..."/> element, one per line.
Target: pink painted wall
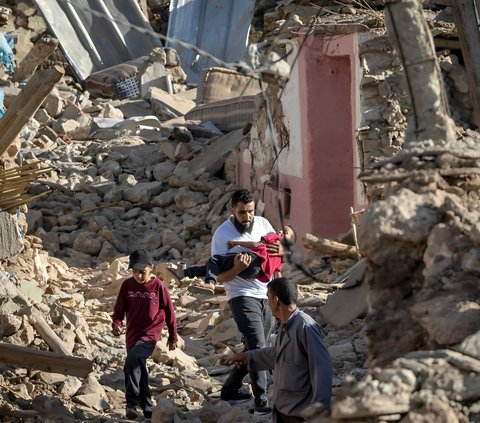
<point x="323" y="185"/>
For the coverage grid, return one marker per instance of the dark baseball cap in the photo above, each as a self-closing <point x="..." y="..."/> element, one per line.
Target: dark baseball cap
<point x="140" y="259"/>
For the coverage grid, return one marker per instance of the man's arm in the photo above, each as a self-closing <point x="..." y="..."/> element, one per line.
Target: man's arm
<point x="241" y="262"/>
<point x="260" y="359"/>
<point x="244" y="244"/>
<point x="277" y="249"/>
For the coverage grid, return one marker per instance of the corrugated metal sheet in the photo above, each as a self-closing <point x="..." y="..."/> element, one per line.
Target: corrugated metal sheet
<point x="91" y="42"/>
<point x="220" y="27"/>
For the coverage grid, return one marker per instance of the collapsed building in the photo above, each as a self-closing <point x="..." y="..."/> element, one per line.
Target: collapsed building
<point x="115" y="166"/>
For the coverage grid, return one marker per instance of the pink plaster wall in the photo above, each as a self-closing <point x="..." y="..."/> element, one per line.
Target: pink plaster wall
<point x="323" y="191"/>
<point x="322" y="197"/>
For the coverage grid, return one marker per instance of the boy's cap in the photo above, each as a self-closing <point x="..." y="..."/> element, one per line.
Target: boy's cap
<point x="140" y="259"/>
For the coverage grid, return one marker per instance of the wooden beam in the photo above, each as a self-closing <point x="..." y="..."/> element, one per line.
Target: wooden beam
<point x="411" y="36"/>
<point x="42" y="49"/>
<point x="449" y="43"/>
<point x="26" y="103"/>
<point x="329" y="248"/>
<point x="464" y="14"/>
<point x="47" y="333"/>
<point x="18" y="356"/>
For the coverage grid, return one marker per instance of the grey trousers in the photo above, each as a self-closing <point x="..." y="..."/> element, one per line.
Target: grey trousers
<point x="254" y="321"/>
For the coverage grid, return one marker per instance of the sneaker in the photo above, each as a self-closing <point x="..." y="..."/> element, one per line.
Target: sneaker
<point x="202" y="288"/>
<point x="262" y="407"/>
<point x="236" y="397"/>
<point x="131" y="412"/>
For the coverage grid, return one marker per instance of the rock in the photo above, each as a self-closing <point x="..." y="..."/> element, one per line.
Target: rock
<point x="164" y="411"/>
<point x="163" y="170"/>
<point x="448" y="319"/>
<point x="225" y="331"/>
<point x="9" y="324"/>
<point x="70" y="386"/>
<point x="381" y="393"/>
<point x="10" y="236"/>
<point x="52" y="408"/>
<point x="142" y="192"/>
<point x="185" y="199"/>
<point x="172" y="239"/>
<point x="88" y="243"/>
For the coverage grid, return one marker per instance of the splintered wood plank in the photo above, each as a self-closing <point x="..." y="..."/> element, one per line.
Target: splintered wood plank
<point x="26" y="103"/>
<point x="16" y="355"/>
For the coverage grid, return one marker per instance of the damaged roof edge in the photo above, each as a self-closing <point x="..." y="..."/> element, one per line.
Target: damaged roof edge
<point x="97" y="34"/>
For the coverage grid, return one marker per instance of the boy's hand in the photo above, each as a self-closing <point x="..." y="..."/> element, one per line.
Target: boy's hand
<point x="242" y="261"/>
<point x="117" y="330"/>
<point x="171" y="345"/>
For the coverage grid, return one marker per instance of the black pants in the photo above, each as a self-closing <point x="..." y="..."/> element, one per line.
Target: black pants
<point x="221" y="262"/>
<point x="137" y="391"/>
<point x="254" y="320"/>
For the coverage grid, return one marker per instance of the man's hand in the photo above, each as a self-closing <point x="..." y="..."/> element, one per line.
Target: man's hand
<point x="171" y="345"/>
<point x="242" y="261"/>
<point x="239" y="359"/>
<point x="231" y="244"/>
<point x="277" y="249"/>
<point x="117" y="330"/>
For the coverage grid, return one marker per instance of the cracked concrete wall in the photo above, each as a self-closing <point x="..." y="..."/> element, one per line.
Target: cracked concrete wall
<point x="385" y="103"/>
<point x="381" y="111"/>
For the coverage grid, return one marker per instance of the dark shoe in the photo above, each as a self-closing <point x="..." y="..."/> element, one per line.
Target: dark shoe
<point x="131" y="412"/>
<point x="147" y="414"/>
<point x="262" y="407"/>
<point x="202" y="288"/>
<point x="235" y="396"/>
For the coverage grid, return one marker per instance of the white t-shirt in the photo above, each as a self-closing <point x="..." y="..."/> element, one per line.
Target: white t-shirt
<point x="227" y="231"/>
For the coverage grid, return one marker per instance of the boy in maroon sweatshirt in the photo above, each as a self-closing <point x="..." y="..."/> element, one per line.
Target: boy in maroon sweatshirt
<point x="145" y="302"/>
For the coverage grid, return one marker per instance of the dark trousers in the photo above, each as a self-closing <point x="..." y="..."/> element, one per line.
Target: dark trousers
<point x="283" y="418"/>
<point x="221" y="262"/>
<point x="254" y="320"/>
<point x="137" y="391"/>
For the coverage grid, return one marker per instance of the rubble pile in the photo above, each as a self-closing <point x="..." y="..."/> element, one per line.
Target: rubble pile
<point x="422" y="328"/>
<point x="132" y="173"/>
<point x="77" y="303"/>
<point x="127" y="173"/>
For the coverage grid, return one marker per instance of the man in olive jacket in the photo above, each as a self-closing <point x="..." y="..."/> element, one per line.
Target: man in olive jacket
<point x="301" y="362"/>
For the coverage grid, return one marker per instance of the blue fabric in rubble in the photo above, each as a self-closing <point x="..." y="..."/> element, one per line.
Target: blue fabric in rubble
<point x="6" y="52"/>
<point x="2" y="108"/>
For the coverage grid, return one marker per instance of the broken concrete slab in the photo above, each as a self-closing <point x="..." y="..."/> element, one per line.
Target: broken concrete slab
<point x="168" y="106"/>
<point x="345" y="305"/>
<point x="10" y="237"/>
<point x="350" y="301"/>
<point x="107" y="128"/>
<point x="212" y="158"/>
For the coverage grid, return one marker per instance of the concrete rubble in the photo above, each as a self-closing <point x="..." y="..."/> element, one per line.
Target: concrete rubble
<point x="135" y="173"/>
